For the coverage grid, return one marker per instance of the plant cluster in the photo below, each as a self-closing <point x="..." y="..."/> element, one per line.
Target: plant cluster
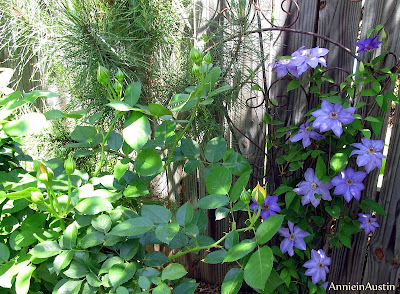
<point x="67" y="231"/>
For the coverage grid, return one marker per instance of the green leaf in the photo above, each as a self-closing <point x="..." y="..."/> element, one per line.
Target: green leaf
<point x="148" y="163"/>
<point x="320" y="170"/>
<point x="173" y="271"/>
<point x="185" y="288"/>
<point x="129" y="249"/>
<point x="120" y="106"/>
<point x="374" y="206"/>
<point x="212" y="201"/>
<point x="221" y="213"/>
<point x="68" y="287"/>
<point x="293" y="85"/>
<point x="93" y="205"/>
<point x="233" y="281"/>
<point x="102" y="223"/>
<point x="219" y="91"/>
<point x="114" y="141"/>
<point x="236" y="163"/>
<point x="23" y="280"/>
<point x="83" y="134"/>
<point x="239" y="186"/>
<point x="269" y="228"/>
<point x="258" y="268"/>
<point x="132" y="93"/>
<point x="92" y="239"/>
<point x="157" y="213"/>
<point x="28" y="123"/>
<point x="215" y="149"/>
<point x="161" y="289"/>
<point x="121" y="273"/>
<point x="377" y="126"/>
<point x="120" y="169"/>
<point x="155" y="258"/>
<point x="240" y="250"/>
<point x="69" y="236"/>
<point x="219" y="181"/>
<point x="159" y="110"/>
<point x="4" y="253"/>
<point x="339" y="161"/>
<point x="289" y="196"/>
<point x="53" y="114"/>
<point x="215" y="257"/>
<point x="144" y="282"/>
<point x="345" y="239"/>
<point x="333" y="211"/>
<point x="231" y="240"/>
<point x="136" y="130"/>
<point x="136" y="189"/>
<point x="282" y="189"/>
<point x="191" y="166"/>
<point x="166" y="232"/>
<point x="184" y="215"/>
<point x="132" y="227"/>
<point x="63" y="260"/>
<point x="45" y="249"/>
<point x="333" y="99"/>
<point x="368" y="92"/>
<point x="190" y="148"/>
<point x="76" y="270"/>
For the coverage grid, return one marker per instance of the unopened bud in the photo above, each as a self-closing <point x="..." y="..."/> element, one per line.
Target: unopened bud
<point x="36" y="197"/>
<point x="117" y="87"/>
<point x="196" y="56"/>
<point x="208" y="58"/>
<point x="195" y="69"/>
<point x="361" y="67"/>
<point x="69" y="166"/>
<point x="245" y="196"/>
<point x="259" y="194"/>
<point x="45" y="174"/>
<point x="103" y="75"/>
<point x="383" y="34"/>
<point x="120" y="76"/>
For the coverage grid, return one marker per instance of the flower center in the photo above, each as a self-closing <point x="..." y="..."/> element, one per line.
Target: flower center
<point x="320" y="265"/>
<point x="371" y="150"/>
<point x="349" y="182"/>
<point x="368" y="46"/>
<point x="266" y="206"/>
<point x="306" y="53"/>
<point x="314" y="186"/>
<point x="369" y="220"/>
<point x="333" y="115"/>
<point x="292" y="237"/>
<point x="285" y="61"/>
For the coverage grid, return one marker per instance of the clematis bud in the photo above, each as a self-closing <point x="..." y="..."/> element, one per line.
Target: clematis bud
<point x="103" y="75"/>
<point x="69" y="166"/>
<point x="36" y="197"/>
<point x="383" y="34"/>
<point x="361" y="67"/>
<point x="259" y="194"/>
<point x="196" y="56"/>
<point x="245" y="196"/>
<point x="120" y="76"/>
<point x="195" y="69"/>
<point x="117" y="87"/>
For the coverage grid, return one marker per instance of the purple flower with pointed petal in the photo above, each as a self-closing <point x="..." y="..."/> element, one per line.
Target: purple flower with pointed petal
<point x="270" y="206"/>
<point x="317" y="266"/>
<point x="349" y="184"/>
<point x="293" y="237"/>
<point x="367" y="44"/>
<point x="311" y="186"/>
<point x="303" y="58"/>
<point x="332" y="117"/>
<point x="306" y="133"/>
<point x="369" y="154"/>
<point x="283" y="67"/>
<point x="367" y="223"/>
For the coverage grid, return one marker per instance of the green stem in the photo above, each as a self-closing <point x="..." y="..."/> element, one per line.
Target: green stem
<point x="168" y="162"/>
<point x="102" y="155"/>
<point x="69" y="195"/>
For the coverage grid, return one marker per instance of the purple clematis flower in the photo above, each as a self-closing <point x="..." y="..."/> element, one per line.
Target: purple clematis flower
<point x="283" y="67"/>
<point x="304" y="58"/>
<point x="317" y="266"/>
<point x="367" y="44"/>
<point x="369" y="154"/>
<point x="306" y="133"/>
<point x="349" y="184"/>
<point x="367" y="223"/>
<point x="269" y="208"/>
<point x="332" y="117"/>
<point x="311" y="186"/>
<point x="293" y="237"/>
